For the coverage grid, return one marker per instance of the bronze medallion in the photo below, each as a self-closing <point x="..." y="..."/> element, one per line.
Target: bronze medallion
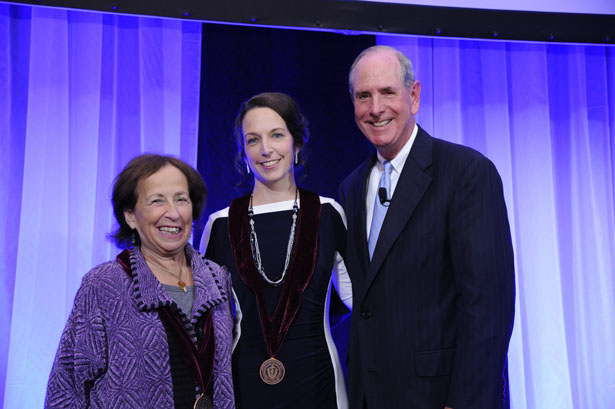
<point x="203" y="402"/>
<point x="272" y="371"/>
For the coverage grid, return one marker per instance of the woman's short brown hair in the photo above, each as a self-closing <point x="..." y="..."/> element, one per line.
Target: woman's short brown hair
<point x="125" y="190"/>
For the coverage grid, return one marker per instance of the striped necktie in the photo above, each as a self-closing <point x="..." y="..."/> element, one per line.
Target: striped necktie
<point x="380" y="209"/>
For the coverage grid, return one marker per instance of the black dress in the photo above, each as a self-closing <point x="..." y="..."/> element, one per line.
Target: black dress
<point x="313" y="376"/>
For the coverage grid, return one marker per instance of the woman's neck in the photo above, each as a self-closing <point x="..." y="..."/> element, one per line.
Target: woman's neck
<point x="170" y="264"/>
<point x="264" y="194"/>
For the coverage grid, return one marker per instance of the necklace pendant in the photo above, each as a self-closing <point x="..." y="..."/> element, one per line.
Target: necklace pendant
<point x="182" y="285"/>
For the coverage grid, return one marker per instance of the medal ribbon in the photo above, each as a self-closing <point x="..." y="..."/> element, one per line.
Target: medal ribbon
<point x="301" y="268"/>
<point x="199" y="360"/>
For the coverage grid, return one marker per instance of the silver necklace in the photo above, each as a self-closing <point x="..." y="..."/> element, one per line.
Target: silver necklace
<point x="256" y="254"/>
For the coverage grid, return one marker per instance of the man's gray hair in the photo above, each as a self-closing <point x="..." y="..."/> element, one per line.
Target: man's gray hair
<point x="407" y="71"/>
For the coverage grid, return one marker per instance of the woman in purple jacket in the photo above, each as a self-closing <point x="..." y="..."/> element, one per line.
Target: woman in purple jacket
<point x="153" y="328"/>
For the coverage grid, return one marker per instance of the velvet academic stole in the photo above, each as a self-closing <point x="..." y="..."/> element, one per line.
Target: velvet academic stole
<point x="199" y="359"/>
<point x="301" y="268"/>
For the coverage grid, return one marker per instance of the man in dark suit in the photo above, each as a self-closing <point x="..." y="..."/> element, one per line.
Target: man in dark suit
<point x="433" y="273"/>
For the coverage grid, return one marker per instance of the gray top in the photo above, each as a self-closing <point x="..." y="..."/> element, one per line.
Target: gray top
<point x="183" y="299"/>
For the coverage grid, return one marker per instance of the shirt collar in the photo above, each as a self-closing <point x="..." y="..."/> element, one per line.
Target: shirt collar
<point x="399" y="161"/>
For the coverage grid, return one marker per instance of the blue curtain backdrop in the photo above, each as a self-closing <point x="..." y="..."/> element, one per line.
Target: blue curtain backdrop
<point x="81" y="93"/>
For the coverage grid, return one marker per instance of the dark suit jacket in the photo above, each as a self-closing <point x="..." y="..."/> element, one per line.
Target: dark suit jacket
<point x="433" y="311"/>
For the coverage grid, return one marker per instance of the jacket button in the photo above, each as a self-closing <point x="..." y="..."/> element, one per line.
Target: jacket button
<point x="366" y="314"/>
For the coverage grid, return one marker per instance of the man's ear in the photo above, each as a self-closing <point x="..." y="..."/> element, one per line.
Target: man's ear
<point x="415" y="94"/>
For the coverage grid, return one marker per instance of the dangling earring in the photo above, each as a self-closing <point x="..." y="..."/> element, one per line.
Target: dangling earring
<point x="134" y="238"/>
<point x="247" y="168"/>
<point x="297" y="158"/>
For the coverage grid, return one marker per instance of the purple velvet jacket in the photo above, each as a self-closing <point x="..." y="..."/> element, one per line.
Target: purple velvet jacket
<point x="114" y="353"/>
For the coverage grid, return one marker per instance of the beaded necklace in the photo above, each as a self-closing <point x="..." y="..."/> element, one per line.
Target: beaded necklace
<point x="256" y="254"/>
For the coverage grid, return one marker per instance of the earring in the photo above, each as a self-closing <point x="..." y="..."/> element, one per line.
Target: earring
<point x="247" y="168"/>
<point x="297" y="158"/>
<point x="134" y="238"/>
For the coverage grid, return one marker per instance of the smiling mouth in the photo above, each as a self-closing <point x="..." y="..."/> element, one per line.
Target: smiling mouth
<point x="380" y="124"/>
<point x="172" y="230"/>
<point x="270" y="162"/>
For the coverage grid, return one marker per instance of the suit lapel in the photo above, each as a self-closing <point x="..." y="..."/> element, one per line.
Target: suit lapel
<point x="411" y="186"/>
<point x="361" y="213"/>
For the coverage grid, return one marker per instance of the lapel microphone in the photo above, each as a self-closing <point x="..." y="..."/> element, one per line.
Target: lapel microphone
<point x="382" y="194"/>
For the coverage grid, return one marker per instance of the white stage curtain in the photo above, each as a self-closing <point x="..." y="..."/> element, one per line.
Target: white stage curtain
<point x="81" y="93"/>
<point x="545" y="115"/>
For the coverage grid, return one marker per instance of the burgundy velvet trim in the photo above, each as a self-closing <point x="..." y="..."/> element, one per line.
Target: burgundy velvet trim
<point x="301" y="268"/>
<point x="198" y="360"/>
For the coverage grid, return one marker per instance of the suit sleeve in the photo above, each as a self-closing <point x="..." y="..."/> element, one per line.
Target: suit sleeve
<point x="342" y="194"/>
<point x="82" y="355"/>
<point x="483" y="267"/>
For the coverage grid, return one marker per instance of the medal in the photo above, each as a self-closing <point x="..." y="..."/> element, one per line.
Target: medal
<point x="203" y="402"/>
<point x="272" y="371"/>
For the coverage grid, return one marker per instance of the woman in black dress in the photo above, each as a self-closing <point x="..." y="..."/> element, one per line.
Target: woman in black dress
<point x="283" y="246"/>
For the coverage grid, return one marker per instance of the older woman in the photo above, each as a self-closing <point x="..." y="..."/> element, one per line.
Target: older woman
<point x="153" y="328"/>
<point x="281" y="244"/>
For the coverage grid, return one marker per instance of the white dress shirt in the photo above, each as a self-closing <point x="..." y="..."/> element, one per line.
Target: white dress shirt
<point x="376" y="173"/>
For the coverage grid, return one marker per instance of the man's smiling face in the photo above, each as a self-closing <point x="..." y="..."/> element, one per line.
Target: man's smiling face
<point x="384" y="108"/>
